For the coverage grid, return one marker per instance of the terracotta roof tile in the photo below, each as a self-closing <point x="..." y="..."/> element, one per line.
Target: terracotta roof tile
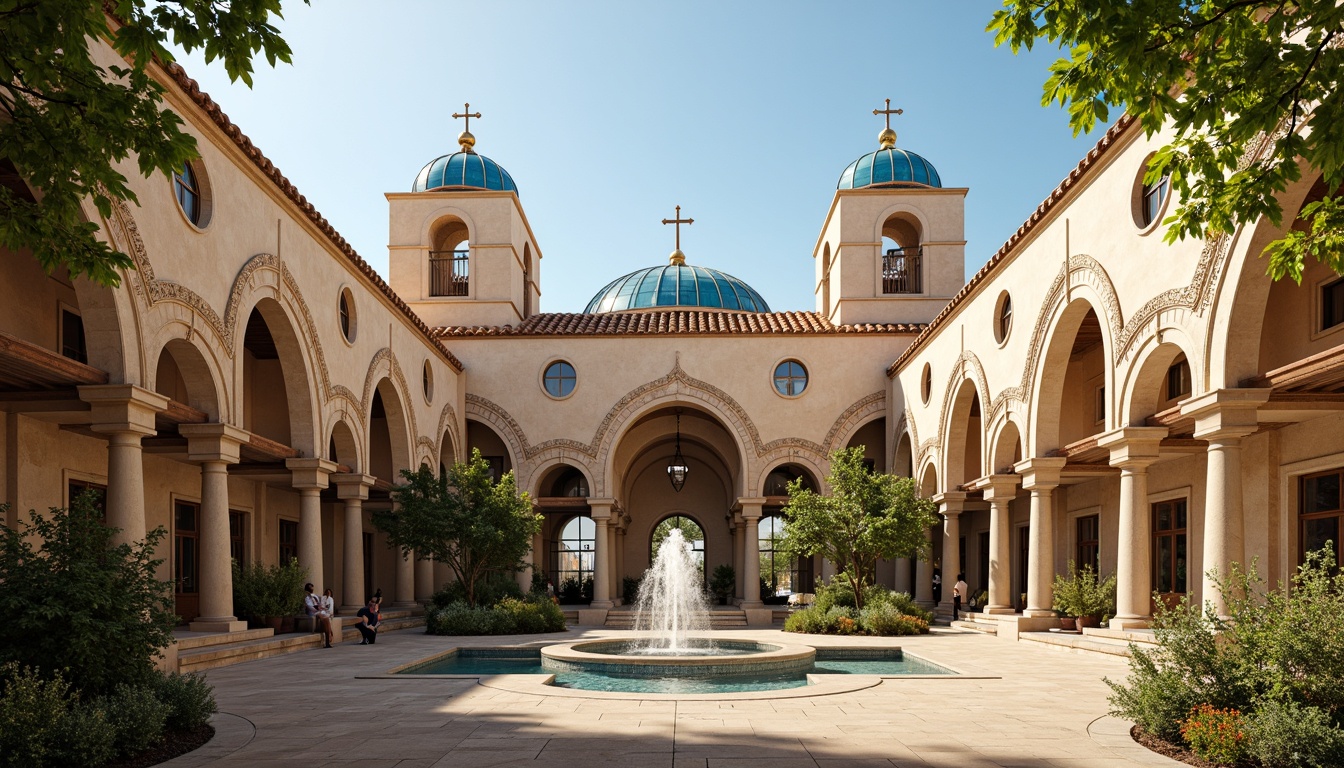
<point x="193" y="90"/>
<point x="1088" y="162"/>
<point x="676" y="322"/>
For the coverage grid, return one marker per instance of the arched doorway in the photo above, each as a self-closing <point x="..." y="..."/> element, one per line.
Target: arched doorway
<point x="573" y="560"/>
<point x="690" y="531"/>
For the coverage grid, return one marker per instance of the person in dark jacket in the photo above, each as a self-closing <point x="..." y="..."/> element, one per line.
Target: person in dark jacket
<point x="368" y="623"/>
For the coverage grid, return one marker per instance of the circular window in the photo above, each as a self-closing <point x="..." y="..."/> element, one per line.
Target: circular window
<point x="559" y="379"/>
<point x="346" y="307"/>
<point x="1150" y="199"/>
<point x="192" y="190"/>
<point x="427" y="381"/>
<point x="926" y="384"/>
<point x="1003" y="317"/>
<point x="790" y="378"/>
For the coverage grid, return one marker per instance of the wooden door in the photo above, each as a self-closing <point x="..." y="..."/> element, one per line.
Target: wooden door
<point x="186" y="561"/>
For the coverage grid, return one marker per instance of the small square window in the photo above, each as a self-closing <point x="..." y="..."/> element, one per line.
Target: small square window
<point x="1101" y="404"/>
<point x="72" y="337"/>
<point x="1332" y="304"/>
<point x="1178" y="380"/>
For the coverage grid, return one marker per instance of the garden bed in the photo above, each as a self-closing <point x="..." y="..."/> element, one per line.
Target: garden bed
<point x="1174" y="751"/>
<point x="174" y="744"/>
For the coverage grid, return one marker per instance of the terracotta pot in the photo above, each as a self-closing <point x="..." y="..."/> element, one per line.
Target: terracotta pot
<point x="286" y="625"/>
<point x="1068" y="623"/>
<point x="274" y="622"/>
<point x="1088" y="621"/>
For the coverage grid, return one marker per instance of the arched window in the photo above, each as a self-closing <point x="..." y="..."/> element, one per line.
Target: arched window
<point x="777" y="571"/>
<point x="777" y="482"/>
<point x="1154" y="195"/>
<point x="690" y="530"/>
<point x="188" y="189"/>
<point x="574" y="552"/>
<point x="571" y="483"/>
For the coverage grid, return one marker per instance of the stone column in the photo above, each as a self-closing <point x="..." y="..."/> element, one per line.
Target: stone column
<point x="1223" y="417"/>
<point x="751" y="552"/>
<point x="353" y="489"/>
<point x="902" y="581"/>
<point x="310" y="476"/>
<point x="125" y="413"/>
<point x="924" y="573"/>
<point x="1000" y="490"/>
<point x="1133" y="450"/>
<point x="405" y="590"/>
<point x="602" y="512"/>
<point x="739" y="554"/>
<point x="1041" y="477"/>
<point x="424" y="579"/>
<point x="950" y="505"/>
<point x="215" y="446"/>
<point x="618" y="555"/>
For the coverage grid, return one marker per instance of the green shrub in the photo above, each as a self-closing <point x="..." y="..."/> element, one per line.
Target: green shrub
<point x="510" y="616"/>
<point x="1287" y="735"/>
<point x="44" y="723"/>
<point x="137" y="717"/>
<point x="885" y="620"/>
<point x="630" y="590"/>
<point x="1084" y="593"/>
<point x="260" y="590"/>
<point x="808" y="621"/>
<point x="189" y="699"/>
<point x="903" y="602"/>
<point x="489" y="591"/>
<point x="74" y="601"/>
<point x="570" y="591"/>
<point x="723" y="581"/>
<point x="1217" y="735"/>
<point x="83" y="738"/>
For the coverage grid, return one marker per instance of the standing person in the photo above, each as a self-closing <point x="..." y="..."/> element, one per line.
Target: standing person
<point x="937" y="586"/>
<point x="313" y="605"/>
<point x="960" y="591"/>
<point x="368" y="623"/>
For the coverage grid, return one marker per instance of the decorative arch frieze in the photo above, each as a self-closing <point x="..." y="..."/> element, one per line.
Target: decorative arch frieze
<point x="447" y="416"/>
<point x="860" y="412"/>
<point x="384" y="365"/>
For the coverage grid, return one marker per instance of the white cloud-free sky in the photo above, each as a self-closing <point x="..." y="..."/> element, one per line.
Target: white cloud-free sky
<point x="609" y="114"/>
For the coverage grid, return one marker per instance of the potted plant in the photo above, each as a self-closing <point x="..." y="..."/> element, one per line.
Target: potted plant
<point x="1083" y="596"/>
<point x="287" y="590"/>
<point x="723" y="582"/>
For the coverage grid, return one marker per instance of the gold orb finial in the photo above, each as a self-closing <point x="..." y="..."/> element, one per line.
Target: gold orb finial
<point x="677" y="258"/>
<point x="466" y="140"/>
<point x="887" y="138"/>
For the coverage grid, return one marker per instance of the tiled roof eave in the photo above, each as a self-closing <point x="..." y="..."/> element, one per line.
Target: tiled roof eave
<point x="1085" y="168"/>
<point x="192" y="90"/>
<point x="676" y="323"/>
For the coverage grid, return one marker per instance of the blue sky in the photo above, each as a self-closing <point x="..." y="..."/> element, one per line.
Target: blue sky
<point x="608" y="115"/>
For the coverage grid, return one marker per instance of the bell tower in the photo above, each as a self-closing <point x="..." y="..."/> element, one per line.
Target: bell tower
<point x="460" y="249"/>
<point x="892" y="249"/>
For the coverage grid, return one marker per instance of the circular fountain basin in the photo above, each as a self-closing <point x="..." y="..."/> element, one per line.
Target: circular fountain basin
<point x="704" y="657"/>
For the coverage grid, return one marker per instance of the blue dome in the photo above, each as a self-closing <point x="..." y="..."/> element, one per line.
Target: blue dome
<point x="463" y="170"/>
<point x="676" y="285"/>
<point x="889" y="166"/>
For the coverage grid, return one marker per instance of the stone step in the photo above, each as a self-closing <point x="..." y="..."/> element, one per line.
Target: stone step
<point x="1145" y="637"/>
<point x="985" y="627"/>
<point x="206" y="657"/>
<point x="1075" y="642"/>
<point x="188" y="640"/>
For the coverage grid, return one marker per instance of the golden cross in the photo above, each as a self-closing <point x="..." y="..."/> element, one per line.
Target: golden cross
<point x="678" y="221"/>
<point x="888" y="112"/>
<point x="477" y="115"/>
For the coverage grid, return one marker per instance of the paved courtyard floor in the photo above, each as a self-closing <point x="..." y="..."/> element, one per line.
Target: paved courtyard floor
<point x="1019" y="705"/>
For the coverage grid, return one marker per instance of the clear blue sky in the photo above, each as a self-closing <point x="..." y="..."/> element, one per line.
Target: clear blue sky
<point x="609" y="114"/>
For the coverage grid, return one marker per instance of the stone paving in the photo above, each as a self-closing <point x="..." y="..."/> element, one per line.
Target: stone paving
<point x="1025" y="706"/>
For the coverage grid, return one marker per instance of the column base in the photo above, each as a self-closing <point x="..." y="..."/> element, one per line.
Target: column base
<point x="603" y="604"/>
<point x="1131" y="622"/>
<point x="1040" y="613"/>
<point x="592" y="617"/>
<point x="759" y="618"/>
<point x="998" y="610"/>
<point x="750" y="605"/>
<point x="219" y="624"/>
<point x="405" y="604"/>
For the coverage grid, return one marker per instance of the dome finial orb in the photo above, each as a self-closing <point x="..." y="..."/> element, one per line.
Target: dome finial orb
<point x="887" y="138"/>
<point x="677" y="258"/>
<point x="465" y="138"/>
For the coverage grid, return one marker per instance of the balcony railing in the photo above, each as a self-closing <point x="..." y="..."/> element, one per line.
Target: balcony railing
<point x="448" y="273"/>
<point x="901" y="270"/>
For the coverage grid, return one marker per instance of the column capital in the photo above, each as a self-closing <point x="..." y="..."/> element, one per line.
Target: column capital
<point x="123" y="408"/>
<point x="310" y="474"/>
<point x="1225" y="413"/>
<point x="998" y="487"/>
<point x="352" y="485"/>
<point x="749" y="507"/>
<point x="601" y="509"/>
<point x="1133" y="447"/>
<point x="950" y="503"/>
<point x="213" y="442"/>
<point x="1041" y="472"/>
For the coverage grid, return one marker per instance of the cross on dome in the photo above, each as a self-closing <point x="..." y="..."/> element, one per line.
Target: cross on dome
<point x="465" y="138"/>
<point x="677" y="256"/>
<point x="887" y="138"/>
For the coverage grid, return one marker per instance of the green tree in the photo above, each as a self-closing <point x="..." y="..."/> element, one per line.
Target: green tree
<point x="867" y="516"/>
<point x="1222" y="75"/>
<point x="66" y="120"/>
<point x="73" y="601"/>
<point x="465" y="520"/>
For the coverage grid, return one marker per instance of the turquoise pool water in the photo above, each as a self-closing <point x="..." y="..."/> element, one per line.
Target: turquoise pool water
<point x="523" y="661"/>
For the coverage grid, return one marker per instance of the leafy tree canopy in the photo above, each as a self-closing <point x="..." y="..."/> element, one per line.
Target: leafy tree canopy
<point x="464" y="519"/>
<point x="1221" y="75"/>
<point x="867" y="516"/>
<point x="74" y="601"/>
<point x="67" y="119"/>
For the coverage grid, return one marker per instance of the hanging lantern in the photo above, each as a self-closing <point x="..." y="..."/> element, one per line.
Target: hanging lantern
<point x="677" y="469"/>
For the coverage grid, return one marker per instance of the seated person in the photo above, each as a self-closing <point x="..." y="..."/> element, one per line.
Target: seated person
<point x="314" y="605"/>
<point x="368" y="623"/>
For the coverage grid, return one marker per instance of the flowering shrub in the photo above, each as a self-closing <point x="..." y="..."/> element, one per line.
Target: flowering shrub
<point x="1215" y="734"/>
<point x="846" y="626"/>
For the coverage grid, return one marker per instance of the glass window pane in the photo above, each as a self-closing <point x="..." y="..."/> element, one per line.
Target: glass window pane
<point x="1179" y="507"/>
<point x="1180" y="564"/>
<point x="1317" y="533"/>
<point x="709" y="293"/>
<point x="1163" y="562"/>
<point x="686" y="293"/>
<point x="726" y="292"/>
<point x="1163" y="517"/>
<point x="1320" y="493"/>
<point x="667" y="289"/>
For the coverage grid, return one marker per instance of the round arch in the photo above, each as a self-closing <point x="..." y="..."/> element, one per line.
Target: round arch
<point x="1005" y="446"/>
<point x="928" y="480"/>
<point x="805" y="465"/>
<point x="685" y="521"/>
<point x="1048" y="388"/>
<point x="963" y="436"/>
<point x="545" y="475"/>
<point x="386" y="417"/>
<point x="632" y="415"/>
<point x="187" y="371"/>
<point x="903" y="463"/>
<point x="297" y="368"/>
<point x="343" y="447"/>
<point x="1143" y="387"/>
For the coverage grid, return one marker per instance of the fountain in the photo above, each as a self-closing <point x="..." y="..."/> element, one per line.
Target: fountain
<point x="671" y="619"/>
